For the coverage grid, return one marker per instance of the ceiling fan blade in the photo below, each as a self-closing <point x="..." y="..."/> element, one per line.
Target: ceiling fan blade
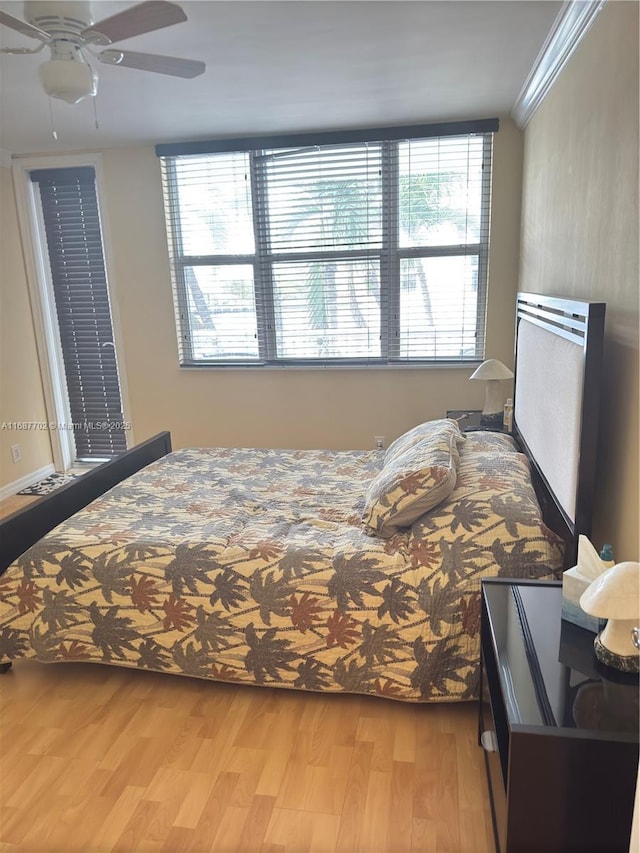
<point x="143" y="18"/>
<point x="153" y="62"/>
<point x="23" y="27"/>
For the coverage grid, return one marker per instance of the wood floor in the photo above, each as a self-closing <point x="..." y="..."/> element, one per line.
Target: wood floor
<point x="96" y="758"/>
<point x="14" y="503"/>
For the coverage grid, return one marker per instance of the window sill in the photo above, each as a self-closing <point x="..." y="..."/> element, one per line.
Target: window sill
<point x="424" y="365"/>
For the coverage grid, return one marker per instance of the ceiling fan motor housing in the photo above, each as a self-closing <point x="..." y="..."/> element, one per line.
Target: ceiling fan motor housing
<point x="63" y="17"/>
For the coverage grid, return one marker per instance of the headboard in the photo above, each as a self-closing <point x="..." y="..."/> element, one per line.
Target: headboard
<point x="558" y="365"/>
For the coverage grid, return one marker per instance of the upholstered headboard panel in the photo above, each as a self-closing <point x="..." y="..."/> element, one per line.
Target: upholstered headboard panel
<point x="556" y="400"/>
<point x="548" y="407"/>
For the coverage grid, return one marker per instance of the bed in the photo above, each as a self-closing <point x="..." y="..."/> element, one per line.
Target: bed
<point x="310" y="570"/>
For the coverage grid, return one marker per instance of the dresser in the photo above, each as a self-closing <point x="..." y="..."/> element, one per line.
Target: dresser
<point x="559" y="731"/>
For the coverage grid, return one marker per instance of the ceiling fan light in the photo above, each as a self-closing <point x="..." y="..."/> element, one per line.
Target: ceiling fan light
<point x="68" y="80"/>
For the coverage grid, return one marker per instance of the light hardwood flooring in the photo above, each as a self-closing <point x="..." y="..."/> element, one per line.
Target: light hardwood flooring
<point x="99" y="758"/>
<point x="15" y="502"/>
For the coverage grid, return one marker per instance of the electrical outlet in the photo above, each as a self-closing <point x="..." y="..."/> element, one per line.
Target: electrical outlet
<point x="16" y="453"/>
<point x="380" y="442"/>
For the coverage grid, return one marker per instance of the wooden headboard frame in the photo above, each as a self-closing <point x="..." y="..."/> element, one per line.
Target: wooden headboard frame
<point x="582" y="324"/>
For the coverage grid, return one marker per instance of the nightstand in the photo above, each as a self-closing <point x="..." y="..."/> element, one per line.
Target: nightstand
<point x="560" y="732"/>
<point x="469" y="420"/>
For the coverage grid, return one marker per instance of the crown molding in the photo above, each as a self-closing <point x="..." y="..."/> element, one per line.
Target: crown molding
<point x="5" y="158"/>
<point x="569" y="28"/>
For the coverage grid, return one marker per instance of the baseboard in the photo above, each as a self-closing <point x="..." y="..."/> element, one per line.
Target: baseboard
<point x="28" y="480"/>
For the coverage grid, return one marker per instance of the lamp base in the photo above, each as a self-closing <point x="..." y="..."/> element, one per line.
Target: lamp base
<point x="492" y="420"/>
<point x="623" y="663"/>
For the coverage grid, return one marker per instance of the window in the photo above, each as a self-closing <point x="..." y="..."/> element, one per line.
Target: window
<point x="69" y="216"/>
<point x="349" y="252"/>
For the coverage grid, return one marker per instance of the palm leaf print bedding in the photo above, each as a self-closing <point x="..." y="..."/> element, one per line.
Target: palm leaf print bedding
<point x="253" y="566"/>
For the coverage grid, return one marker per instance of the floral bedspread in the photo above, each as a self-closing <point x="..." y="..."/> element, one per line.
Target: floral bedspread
<point x="253" y="566"/>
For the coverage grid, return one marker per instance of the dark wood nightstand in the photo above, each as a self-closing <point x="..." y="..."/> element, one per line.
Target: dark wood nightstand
<point x="560" y="732"/>
<point x="469" y="420"/>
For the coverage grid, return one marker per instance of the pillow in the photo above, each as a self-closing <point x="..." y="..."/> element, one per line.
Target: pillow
<point x="411" y="484"/>
<point x="427" y="430"/>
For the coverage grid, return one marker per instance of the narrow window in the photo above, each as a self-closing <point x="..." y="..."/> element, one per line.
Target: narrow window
<point x="71" y="224"/>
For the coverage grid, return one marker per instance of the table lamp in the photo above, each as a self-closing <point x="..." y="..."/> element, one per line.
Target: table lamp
<point x="492" y="372"/>
<point x="614" y="596"/>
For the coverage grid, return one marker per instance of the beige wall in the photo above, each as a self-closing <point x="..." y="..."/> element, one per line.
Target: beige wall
<point x="280" y="408"/>
<point x="580" y="236"/>
<point x="21" y="397"/>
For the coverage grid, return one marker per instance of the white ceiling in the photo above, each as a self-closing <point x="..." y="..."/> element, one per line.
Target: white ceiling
<point x="290" y="65"/>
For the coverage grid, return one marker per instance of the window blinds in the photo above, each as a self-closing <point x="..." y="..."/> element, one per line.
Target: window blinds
<point x="72" y="228"/>
<point x="321" y="245"/>
<point x="349" y="252"/>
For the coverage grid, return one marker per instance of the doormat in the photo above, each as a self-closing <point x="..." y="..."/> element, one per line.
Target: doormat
<point x="49" y="484"/>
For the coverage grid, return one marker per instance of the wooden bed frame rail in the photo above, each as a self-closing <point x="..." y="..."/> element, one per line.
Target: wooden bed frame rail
<point x="25" y="527"/>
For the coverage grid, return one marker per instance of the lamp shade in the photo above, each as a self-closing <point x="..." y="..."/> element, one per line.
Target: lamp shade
<point x="615" y="594"/>
<point x="492" y="369"/>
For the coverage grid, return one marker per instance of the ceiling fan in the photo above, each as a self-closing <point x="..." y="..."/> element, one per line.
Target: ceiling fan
<point x="68" y="30"/>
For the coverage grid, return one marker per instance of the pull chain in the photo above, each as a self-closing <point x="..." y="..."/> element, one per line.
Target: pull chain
<point x="54" y="132"/>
